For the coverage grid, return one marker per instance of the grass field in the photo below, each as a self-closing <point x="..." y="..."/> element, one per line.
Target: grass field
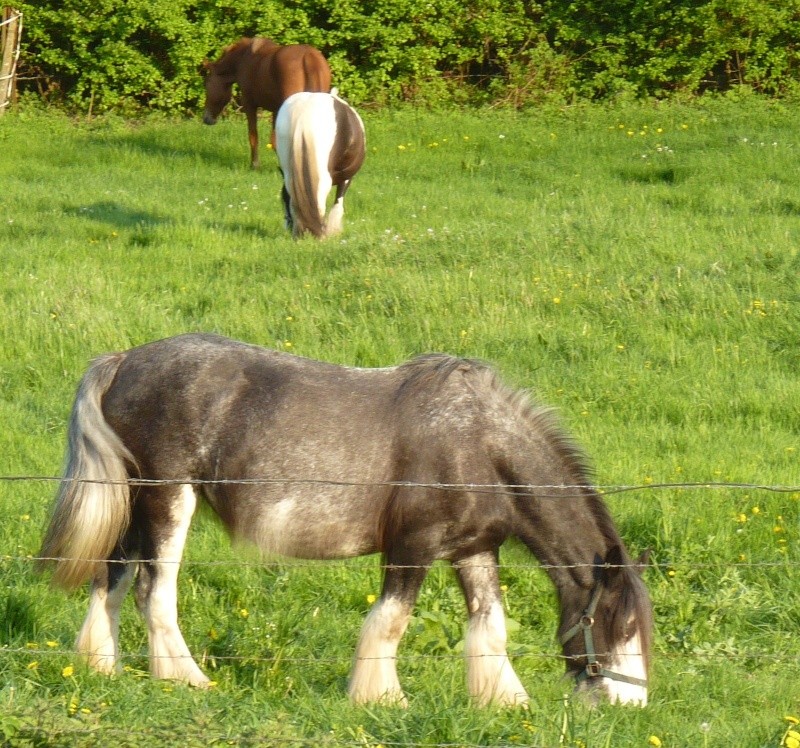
<point x="638" y="268"/>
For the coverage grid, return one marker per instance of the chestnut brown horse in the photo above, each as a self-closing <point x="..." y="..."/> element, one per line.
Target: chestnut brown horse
<point x="267" y="74"/>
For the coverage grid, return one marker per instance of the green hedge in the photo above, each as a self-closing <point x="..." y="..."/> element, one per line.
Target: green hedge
<point x="129" y="54"/>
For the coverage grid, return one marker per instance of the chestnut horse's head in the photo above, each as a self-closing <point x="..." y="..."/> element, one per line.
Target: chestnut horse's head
<point x="219" y="90"/>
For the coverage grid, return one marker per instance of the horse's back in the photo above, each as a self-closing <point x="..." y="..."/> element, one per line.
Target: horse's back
<point x="320" y="447"/>
<point x="350" y="145"/>
<point x="277" y="72"/>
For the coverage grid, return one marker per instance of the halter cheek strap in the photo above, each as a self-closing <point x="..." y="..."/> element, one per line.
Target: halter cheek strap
<point x="593" y="667"/>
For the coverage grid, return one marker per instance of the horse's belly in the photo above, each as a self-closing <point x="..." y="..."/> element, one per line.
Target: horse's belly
<point x="329" y="524"/>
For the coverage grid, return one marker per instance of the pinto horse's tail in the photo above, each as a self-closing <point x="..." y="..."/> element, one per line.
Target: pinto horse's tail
<point x="305" y="130"/>
<point x="92" y="508"/>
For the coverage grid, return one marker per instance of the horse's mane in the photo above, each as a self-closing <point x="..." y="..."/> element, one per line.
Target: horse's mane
<point x="233" y="53"/>
<point x="433" y="369"/>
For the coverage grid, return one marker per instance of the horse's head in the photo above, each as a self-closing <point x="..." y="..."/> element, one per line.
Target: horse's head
<point x="608" y="647"/>
<point x="219" y="90"/>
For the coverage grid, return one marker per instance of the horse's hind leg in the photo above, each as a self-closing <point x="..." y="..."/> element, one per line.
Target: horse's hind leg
<point x="335" y="220"/>
<point x="252" y="137"/>
<point x="490" y="676"/>
<point x="165" y="515"/>
<point x="374" y="674"/>
<point x="98" y="638"/>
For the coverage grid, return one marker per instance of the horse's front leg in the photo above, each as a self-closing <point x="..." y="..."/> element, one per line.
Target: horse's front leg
<point x="252" y="134"/>
<point x="490" y="677"/>
<point x="374" y="674"/>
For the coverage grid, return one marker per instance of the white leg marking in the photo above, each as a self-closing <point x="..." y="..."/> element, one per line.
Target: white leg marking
<point x="490" y="676"/>
<point x="169" y="655"/>
<point x="98" y="639"/>
<point x="627" y="660"/>
<point x="374" y="675"/>
<point x="335" y="218"/>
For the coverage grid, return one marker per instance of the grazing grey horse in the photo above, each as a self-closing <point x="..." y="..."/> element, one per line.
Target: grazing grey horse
<point x="431" y="459"/>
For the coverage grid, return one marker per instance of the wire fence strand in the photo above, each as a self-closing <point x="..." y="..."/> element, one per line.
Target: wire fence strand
<point x="531" y="489"/>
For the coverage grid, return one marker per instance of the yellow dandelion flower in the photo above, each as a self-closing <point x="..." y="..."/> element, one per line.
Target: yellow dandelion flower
<point x="655" y="741"/>
<point x="371" y="598"/>
<point x="52" y="644"/>
<point x="33" y="665"/>
<point x="741" y="518"/>
<point x="756" y="510"/>
<point x="243" y="613"/>
<point x="793" y="720"/>
<point x="67" y="671"/>
<point x="556" y="299"/>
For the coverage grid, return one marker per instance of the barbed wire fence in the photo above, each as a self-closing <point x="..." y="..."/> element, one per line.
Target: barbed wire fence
<point x="544" y="492"/>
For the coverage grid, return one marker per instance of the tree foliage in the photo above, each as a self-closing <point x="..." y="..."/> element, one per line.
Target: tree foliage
<point x="129" y="54"/>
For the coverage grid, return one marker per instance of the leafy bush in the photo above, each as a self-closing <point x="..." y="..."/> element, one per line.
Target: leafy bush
<point x="128" y="54"/>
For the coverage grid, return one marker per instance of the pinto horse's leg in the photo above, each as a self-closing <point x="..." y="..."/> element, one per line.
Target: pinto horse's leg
<point x="374" y="674"/>
<point x="168" y="514"/>
<point x="333" y="225"/>
<point x="490" y="677"/>
<point x="98" y="638"/>
<point x="287" y="209"/>
<point x="252" y="134"/>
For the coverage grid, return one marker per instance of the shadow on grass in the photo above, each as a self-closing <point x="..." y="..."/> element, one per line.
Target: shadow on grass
<point x="651" y="175"/>
<point x="205" y="146"/>
<point x="119" y="216"/>
<point x="143" y="224"/>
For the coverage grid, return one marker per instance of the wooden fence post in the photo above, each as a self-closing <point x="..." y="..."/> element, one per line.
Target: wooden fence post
<point x="10" y="36"/>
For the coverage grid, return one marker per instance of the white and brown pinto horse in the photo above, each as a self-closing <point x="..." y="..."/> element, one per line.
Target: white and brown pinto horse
<point x="321" y="144"/>
<point x="431" y="459"/>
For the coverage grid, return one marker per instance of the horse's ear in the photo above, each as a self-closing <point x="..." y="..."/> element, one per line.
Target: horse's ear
<point x="205" y="66"/>
<point x="612" y="564"/>
<point x="615" y="556"/>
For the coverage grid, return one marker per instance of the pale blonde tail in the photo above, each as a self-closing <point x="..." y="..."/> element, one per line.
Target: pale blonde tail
<point x="92" y="508"/>
<point x="305" y="185"/>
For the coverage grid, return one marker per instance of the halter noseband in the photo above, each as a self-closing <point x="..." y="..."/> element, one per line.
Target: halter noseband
<point x="593" y="667"/>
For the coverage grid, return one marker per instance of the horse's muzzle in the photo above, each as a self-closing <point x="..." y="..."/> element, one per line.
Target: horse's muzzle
<point x="209" y="119"/>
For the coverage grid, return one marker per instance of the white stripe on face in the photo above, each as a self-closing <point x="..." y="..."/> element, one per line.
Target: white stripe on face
<point x="628" y="660"/>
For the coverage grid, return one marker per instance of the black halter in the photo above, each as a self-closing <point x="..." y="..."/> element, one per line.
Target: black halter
<point x="593" y="667"/>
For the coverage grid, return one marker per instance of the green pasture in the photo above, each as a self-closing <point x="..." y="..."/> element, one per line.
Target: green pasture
<point x="636" y="267"/>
